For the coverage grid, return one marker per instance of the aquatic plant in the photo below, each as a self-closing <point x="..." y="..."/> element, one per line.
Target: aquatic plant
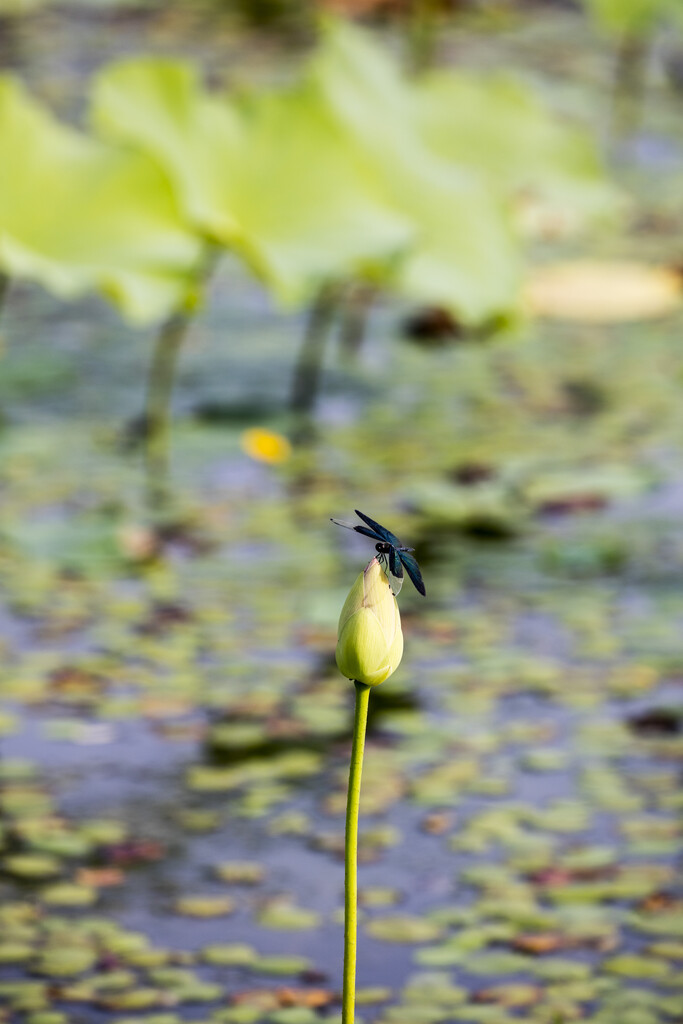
<point x="369" y="650"/>
<point x="631" y="24"/>
<point x="103" y="219"/>
<point x="350" y="180"/>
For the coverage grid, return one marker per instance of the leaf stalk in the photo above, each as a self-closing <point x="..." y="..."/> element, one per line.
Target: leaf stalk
<point x="360" y="721"/>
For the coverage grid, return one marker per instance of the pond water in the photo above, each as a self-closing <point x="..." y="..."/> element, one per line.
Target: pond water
<point x="174" y="735"/>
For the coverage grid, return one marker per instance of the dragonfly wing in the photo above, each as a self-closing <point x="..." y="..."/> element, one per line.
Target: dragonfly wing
<point x="357" y="529"/>
<point x="341" y="522"/>
<point x="368" y="533"/>
<point x="413" y="570"/>
<point x="381" y="531"/>
<point x="395" y="584"/>
<point x="395" y="567"/>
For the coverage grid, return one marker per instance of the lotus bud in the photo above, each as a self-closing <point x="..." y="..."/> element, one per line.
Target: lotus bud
<point x="370" y="644"/>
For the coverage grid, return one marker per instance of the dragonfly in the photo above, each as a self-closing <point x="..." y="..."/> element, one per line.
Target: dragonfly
<point x="392" y="554"/>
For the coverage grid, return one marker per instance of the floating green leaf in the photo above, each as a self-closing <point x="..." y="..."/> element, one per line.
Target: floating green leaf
<point x="63" y="961"/>
<point x="228" y="954"/>
<point x="31" y="866"/>
<point x="280" y="964"/>
<point x="403" y="928"/>
<point x="205" y="906"/>
<point x="281" y="913"/>
<point x="636" y="18"/>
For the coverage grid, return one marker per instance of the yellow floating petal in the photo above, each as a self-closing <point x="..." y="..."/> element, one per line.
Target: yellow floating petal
<point x="266" y="445"/>
<point x="592" y="291"/>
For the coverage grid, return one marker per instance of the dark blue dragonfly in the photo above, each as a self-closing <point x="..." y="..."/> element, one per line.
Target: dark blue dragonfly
<point x="392" y="554"/>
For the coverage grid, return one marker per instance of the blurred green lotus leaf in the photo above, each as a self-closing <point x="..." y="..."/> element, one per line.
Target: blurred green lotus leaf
<point x="280" y="913"/>
<point x="228" y="954"/>
<point x="14" y="952"/>
<point x="61" y="961"/>
<point x="31" y="866"/>
<point x="327" y="179"/>
<point x="204" y="906"/>
<point x="354" y="171"/>
<point x="270" y="176"/>
<point x="159" y="106"/>
<point x="498" y="126"/>
<point x="103" y="217"/>
<point x="493" y="507"/>
<point x="69" y="894"/>
<point x="10" y="7"/>
<point x="403" y="928"/>
<point x="281" y="963"/>
<point x="634" y="966"/>
<point x="632" y="17"/>
<point x="465" y="256"/>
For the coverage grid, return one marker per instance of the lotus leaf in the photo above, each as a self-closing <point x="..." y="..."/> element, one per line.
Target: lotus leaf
<point x="281" y="964"/>
<point x="12" y="952"/>
<point x="294" y="1015"/>
<point x="403" y="928"/>
<point x="228" y="954"/>
<point x="464" y="256"/>
<point x="270" y="176"/>
<point x="205" y="906"/>
<point x="632" y="17"/>
<point x="498" y="126"/>
<point x="65" y="960"/>
<point x="104" y="218"/>
<point x="283" y="914"/>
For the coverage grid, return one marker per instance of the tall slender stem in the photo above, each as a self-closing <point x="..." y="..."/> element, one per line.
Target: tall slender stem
<point x="629" y="82"/>
<point x="354" y="322"/>
<point x="160" y="380"/>
<point x="423" y="34"/>
<point x="4" y="288"/>
<point x="157" y="407"/>
<point x="306" y="382"/>
<point x="360" y="722"/>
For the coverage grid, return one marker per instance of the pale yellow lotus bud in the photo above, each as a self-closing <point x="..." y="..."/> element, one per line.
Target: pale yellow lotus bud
<point x="370" y="644"/>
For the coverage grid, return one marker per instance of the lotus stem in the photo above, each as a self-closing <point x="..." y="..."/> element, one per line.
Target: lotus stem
<point x="423" y="34"/>
<point x="629" y="82"/>
<point x="360" y="722"/>
<point x="160" y="380"/>
<point x="354" y="322"/>
<point x="157" y="407"/>
<point x="308" y="368"/>
<point x="4" y="288"/>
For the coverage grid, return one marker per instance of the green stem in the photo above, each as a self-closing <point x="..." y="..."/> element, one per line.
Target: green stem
<point x="157" y="407"/>
<point x="629" y="83"/>
<point x="360" y="722"/>
<point x="307" y="371"/>
<point x="160" y="380"/>
<point x="354" y="322"/>
<point x="423" y="34"/>
<point x="4" y="288"/>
